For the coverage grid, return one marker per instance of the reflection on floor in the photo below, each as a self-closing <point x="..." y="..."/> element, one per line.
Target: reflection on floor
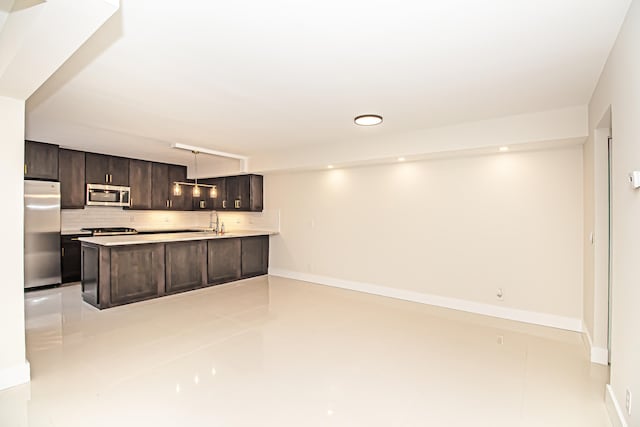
<point x="278" y="352"/>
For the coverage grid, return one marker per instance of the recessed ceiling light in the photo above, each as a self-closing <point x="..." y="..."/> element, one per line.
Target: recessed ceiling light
<point x="330" y="167"/>
<point x="368" y="120"/>
<point x="503" y="149"/>
<point x="401" y="159"/>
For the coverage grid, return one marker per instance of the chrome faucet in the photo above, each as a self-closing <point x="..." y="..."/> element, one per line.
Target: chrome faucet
<point x="217" y="228"/>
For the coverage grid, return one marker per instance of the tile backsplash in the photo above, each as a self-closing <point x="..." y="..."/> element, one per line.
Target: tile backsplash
<point x="100" y="216"/>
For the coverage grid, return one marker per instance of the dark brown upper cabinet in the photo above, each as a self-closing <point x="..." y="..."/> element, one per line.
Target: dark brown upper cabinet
<point x="243" y="193"/>
<point x="40" y="161"/>
<point x="72" y="182"/>
<point x="221" y="190"/>
<point x="140" y="183"/>
<point x="162" y="178"/>
<point x="103" y="169"/>
<point x="183" y="201"/>
<point x="205" y="201"/>
<point x="159" y="186"/>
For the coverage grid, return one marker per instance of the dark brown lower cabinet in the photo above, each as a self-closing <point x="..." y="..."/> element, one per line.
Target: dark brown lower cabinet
<point x="70" y="258"/>
<point x="185" y="265"/>
<point x="137" y="273"/>
<point x="122" y="274"/>
<point x="90" y="274"/>
<point x="116" y="275"/>
<point x="255" y="256"/>
<point x="223" y="260"/>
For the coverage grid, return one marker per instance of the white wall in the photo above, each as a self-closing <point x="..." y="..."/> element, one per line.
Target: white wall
<point x="457" y="228"/>
<point x="619" y="89"/>
<point x="34" y="40"/>
<point x="596" y="240"/>
<point x="545" y="127"/>
<point x="13" y="366"/>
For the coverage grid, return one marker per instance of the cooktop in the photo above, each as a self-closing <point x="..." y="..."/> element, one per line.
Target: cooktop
<point x="110" y="231"/>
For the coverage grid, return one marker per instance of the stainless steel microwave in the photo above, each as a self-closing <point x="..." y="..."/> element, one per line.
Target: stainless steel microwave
<point x="108" y="195"/>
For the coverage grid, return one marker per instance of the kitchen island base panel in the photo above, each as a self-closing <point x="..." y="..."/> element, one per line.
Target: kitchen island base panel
<point x="223" y="260"/>
<point x="185" y="265"/>
<point x="89" y="264"/>
<point x="117" y="275"/>
<point x="136" y="273"/>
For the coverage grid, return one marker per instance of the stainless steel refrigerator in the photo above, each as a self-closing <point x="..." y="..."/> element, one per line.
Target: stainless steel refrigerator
<point x="41" y="233"/>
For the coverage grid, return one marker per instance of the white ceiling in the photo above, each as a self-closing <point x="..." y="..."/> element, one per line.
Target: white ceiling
<point x="252" y="76"/>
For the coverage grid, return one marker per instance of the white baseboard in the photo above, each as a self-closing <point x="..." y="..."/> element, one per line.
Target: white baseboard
<point x="615" y="410"/>
<point x="544" y="319"/>
<point x="15" y="375"/>
<point x="598" y="355"/>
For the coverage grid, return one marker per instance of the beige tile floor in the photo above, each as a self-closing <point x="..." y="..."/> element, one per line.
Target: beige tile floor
<point x="278" y="352"/>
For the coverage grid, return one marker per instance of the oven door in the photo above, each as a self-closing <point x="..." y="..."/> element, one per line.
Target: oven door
<point x="107" y="195"/>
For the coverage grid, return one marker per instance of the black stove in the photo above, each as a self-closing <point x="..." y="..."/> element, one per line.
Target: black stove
<point x="110" y="231"/>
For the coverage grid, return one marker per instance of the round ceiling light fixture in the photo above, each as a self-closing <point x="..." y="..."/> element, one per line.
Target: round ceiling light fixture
<point x="368" y="120"/>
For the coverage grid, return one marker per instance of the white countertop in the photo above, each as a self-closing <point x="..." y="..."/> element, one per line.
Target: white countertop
<point x="74" y="232"/>
<point x="138" y="239"/>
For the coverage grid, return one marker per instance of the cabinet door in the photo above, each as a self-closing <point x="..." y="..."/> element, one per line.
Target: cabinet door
<point x="243" y="199"/>
<point x="118" y="171"/>
<point x="70" y="258"/>
<point x="231" y="193"/>
<point x="40" y="161"/>
<point x="186" y="265"/>
<point x="220" y="200"/>
<point x="140" y="183"/>
<point x="97" y="168"/>
<point x="255" y="256"/>
<point x="223" y="258"/>
<point x="182" y="202"/>
<point x="137" y="273"/>
<point x="72" y="182"/>
<point x="204" y="202"/>
<point x="159" y="186"/>
<point x="256" y="204"/>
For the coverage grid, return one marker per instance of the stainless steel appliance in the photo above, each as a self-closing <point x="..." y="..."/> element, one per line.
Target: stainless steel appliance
<point x="108" y="195"/>
<point x="110" y="231"/>
<point x="41" y="233"/>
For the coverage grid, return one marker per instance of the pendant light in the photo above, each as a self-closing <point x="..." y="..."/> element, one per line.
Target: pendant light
<point x="195" y="192"/>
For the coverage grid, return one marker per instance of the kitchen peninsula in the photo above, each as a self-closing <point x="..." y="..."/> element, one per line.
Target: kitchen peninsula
<point x="123" y="269"/>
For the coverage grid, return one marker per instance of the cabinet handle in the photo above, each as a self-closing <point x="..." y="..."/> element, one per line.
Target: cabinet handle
<point x="62" y="251"/>
<point x="167" y="203"/>
<point x="110" y="178"/>
<point x="224" y="204"/>
<point x="106" y="178"/>
<point x="237" y="204"/>
<point x="25" y="168"/>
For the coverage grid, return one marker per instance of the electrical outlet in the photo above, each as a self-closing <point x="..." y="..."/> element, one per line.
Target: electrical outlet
<point x="628" y="402"/>
<point x="500" y="294"/>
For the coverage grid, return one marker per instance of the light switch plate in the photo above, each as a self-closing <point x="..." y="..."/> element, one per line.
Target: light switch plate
<point x="634" y="177"/>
